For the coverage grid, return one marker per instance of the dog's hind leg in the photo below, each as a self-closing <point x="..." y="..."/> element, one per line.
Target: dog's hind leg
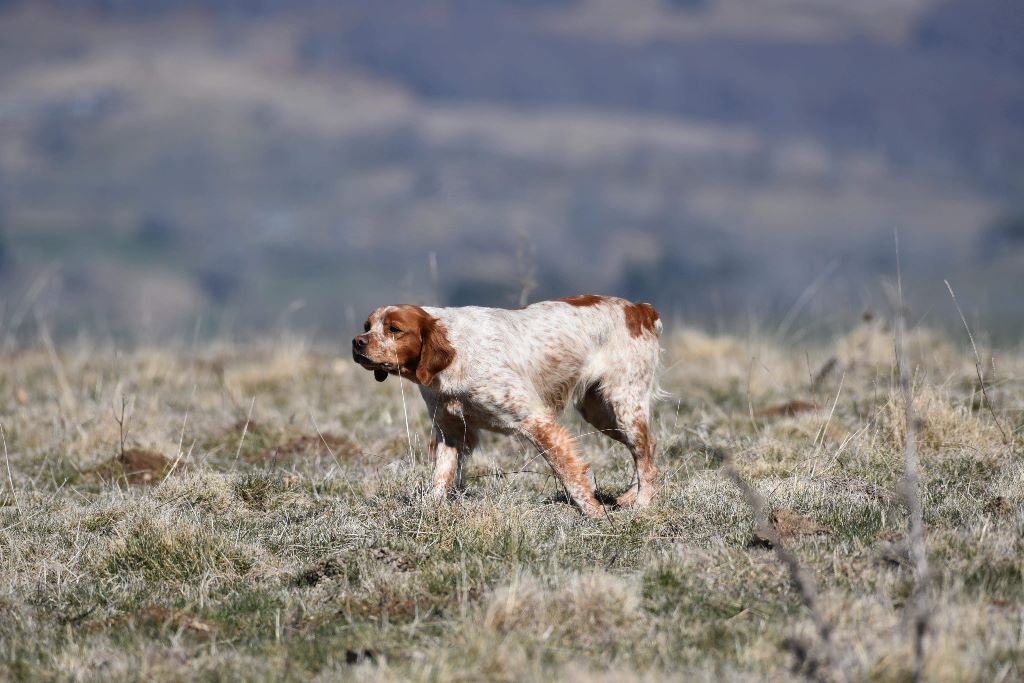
<point x="621" y="413"/>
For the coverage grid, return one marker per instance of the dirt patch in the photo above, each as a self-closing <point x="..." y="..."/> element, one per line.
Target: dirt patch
<point x="789" y="526"/>
<point x="336" y="565"/>
<point x="893" y="549"/>
<point x="323" y="569"/>
<point x="998" y="507"/>
<point x="136" y="466"/>
<point x="356" y="657"/>
<point x="257" y="442"/>
<point x="155" y="617"/>
<point x="787" y="409"/>
<point x="387" y="556"/>
<point x="315" y="445"/>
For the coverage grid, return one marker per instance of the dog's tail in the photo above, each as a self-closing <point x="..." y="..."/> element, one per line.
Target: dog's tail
<point x="657" y="393"/>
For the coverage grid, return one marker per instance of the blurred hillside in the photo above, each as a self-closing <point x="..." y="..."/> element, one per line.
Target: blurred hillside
<point x="259" y="164"/>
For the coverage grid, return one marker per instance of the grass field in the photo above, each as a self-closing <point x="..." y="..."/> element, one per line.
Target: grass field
<point x="259" y="516"/>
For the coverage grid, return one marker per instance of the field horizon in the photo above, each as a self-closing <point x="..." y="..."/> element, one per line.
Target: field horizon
<point x="222" y="511"/>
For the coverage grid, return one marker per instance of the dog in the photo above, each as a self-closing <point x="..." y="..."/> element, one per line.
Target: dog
<point x="515" y="371"/>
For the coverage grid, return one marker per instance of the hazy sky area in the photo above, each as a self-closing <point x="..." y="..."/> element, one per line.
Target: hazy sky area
<point x="223" y="167"/>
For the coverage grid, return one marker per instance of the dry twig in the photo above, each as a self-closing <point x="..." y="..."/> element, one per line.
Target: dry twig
<point x="815" y="666"/>
<point x="526" y="260"/>
<point x="67" y="395"/>
<point x="245" y="429"/>
<point x="123" y="426"/>
<point x="977" y="365"/>
<point x="10" y="475"/>
<point x="918" y="609"/>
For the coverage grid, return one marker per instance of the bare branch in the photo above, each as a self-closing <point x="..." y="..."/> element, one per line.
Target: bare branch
<point x="801" y="580"/>
<point x="123" y="425"/>
<point x="918" y="608"/>
<point x="526" y="260"/>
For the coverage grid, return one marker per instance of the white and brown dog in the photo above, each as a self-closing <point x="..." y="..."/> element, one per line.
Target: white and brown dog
<point x="514" y="371"/>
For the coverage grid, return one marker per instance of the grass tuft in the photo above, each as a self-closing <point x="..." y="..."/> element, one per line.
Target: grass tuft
<point x="176" y="552"/>
<point x="301" y="560"/>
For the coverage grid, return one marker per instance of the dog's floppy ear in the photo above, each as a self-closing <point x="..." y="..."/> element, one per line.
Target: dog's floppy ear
<point x="436" y="352"/>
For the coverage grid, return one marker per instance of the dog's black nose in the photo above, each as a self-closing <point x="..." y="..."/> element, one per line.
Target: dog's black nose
<point x="359" y="343"/>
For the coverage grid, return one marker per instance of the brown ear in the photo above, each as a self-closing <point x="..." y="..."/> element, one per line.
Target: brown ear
<point x="436" y="352"/>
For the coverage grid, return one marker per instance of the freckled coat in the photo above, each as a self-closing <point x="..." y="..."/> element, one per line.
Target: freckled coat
<point x="514" y="371"/>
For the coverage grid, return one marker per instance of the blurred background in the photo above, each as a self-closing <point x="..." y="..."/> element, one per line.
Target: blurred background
<point x="171" y="169"/>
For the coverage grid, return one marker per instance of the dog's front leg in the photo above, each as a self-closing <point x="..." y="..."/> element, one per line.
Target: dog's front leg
<point x="446" y="468"/>
<point x="452" y="445"/>
<point x="557" y="445"/>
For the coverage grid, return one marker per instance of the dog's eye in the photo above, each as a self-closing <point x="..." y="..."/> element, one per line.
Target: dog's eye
<point x="366" y="326"/>
<point x="393" y="330"/>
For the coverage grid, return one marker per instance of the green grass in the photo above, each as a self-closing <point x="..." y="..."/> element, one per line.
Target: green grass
<point x="270" y="558"/>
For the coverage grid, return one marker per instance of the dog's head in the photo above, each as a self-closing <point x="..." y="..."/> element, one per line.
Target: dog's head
<point x="403" y="340"/>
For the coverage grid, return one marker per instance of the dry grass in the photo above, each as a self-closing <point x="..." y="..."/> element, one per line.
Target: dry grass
<point x="304" y="549"/>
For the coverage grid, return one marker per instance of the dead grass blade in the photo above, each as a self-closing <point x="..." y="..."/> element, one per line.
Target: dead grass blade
<point x="245" y="429"/>
<point x="977" y="366"/>
<point x="67" y="395"/>
<point x="10" y="475"/>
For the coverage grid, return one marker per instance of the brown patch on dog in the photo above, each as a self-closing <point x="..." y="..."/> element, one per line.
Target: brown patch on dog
<point x="641" y="318"/>
<point x="412" y="321"/>
<point x="437" y="352"/>
<point x="421" y="347"/>
<point x="557" y="375"/>
<point x="643" y="436"/>
<point x="583" y="300"/>
<point x="136" y="466"/>
<point x="558" y="447"/>
<point x="787" y="409"/>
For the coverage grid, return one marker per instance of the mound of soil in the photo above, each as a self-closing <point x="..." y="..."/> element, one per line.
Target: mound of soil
<point x="136" y="466"/>
<point x="789" y="526"/>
